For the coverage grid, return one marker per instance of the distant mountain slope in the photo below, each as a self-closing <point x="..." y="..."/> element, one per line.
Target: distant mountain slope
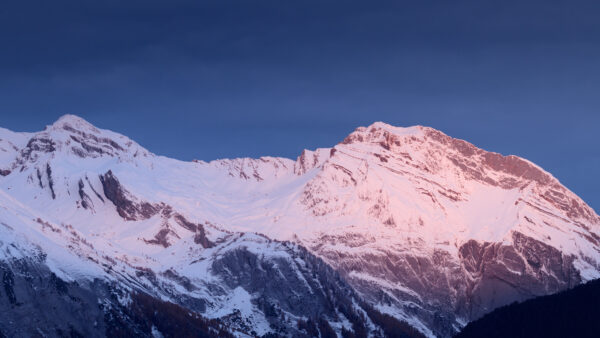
<point x="427" y="229"/>
<point x="570" y="313"/>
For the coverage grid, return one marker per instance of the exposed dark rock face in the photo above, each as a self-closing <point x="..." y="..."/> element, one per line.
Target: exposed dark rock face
<point x="50" y="180"/>
<point x="186" y="224"/>
<point x="161" y="238"/>
<point x="90" y="150"/>
<point x="4" y="172"/>
<point x="126" y="207"/>
<point x="166" y="231"/>
<point x="48" y="174"/>
<point x="278" y="280"/>
<point x="571" y="313"/>
<point x="104" y="142"/>
<point x="435" y="283"/>
<point x="37" y="303"/>
<point x="306" y="287"/>
<point x="200" y="236"/>
<point x="86" y="201"/>
<point x="37" y="144"/>
<point x="94" y="190"/>
<point x="131" y="210"/>
<point x="39" y="177"/>
<point x="499" y="274"/>
<point x="181" y="280"/>
<point x="487" y="275"/>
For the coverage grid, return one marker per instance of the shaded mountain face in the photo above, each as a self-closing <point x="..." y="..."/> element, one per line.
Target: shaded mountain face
<point x="571" y="313"/>
<point x="38" y="303"/>
<point x="406" y="224"/>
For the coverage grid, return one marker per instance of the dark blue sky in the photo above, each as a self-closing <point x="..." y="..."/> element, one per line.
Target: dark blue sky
<point x="210" y="79"/>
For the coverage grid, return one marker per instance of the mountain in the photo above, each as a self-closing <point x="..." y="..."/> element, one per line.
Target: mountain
<point x="391" y="228"/>
<point x="571" y="313"/>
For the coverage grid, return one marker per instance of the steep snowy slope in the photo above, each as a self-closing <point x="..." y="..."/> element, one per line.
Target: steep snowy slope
<point x="427" y="228"/>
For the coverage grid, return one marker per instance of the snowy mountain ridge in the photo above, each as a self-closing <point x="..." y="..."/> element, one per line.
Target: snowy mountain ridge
<point x="424" y="227"/>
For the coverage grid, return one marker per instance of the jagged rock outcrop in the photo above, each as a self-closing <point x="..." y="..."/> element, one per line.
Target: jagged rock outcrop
<point x="122" y="199"/>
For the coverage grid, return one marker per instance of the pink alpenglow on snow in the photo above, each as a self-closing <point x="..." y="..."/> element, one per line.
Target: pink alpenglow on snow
<point x="428" y="229"/>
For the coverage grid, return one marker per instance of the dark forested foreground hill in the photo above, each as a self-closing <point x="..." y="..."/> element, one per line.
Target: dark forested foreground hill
<point x="571" y="313"/>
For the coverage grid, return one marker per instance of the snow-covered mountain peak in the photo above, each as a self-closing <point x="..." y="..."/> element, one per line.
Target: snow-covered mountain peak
<point x="70" y="121"/>
<point x="73" y="137"/>
<point x="400" y="131"/>
<point x="434" y="152"/>
<point x="380" y="131"/>
<point x="396" y="169"/>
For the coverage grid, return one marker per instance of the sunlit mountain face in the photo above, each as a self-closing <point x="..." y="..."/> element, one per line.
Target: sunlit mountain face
<point x="392" y="232"/>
